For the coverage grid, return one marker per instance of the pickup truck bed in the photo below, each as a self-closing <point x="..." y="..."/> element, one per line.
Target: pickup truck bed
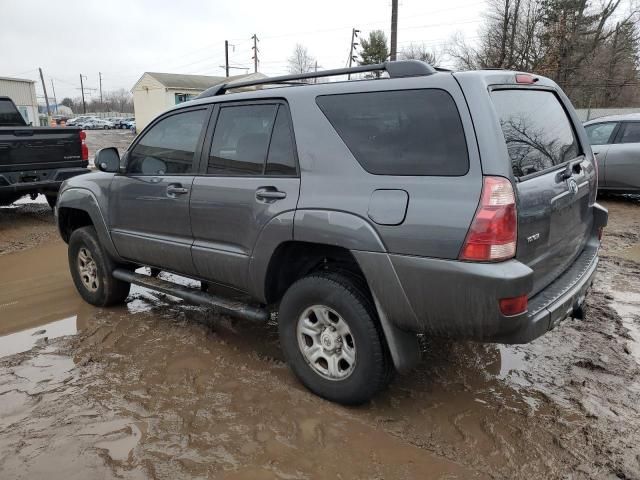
<point x="36" y="159"/>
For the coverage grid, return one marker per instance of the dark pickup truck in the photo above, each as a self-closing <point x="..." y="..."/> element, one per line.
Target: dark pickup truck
<point x="36" y="160"/>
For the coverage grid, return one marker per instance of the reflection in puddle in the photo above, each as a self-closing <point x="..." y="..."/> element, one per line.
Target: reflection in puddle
<point x="25" y="340"/>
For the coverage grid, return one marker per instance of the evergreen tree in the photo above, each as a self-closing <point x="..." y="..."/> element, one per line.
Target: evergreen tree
<point x="374" y="49"/>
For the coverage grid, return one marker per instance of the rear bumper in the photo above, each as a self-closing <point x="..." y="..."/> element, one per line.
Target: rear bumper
<point x="40" y="180"/>
<point x="459" y="300"/>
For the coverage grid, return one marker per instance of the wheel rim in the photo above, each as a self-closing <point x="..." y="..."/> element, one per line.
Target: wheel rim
<point x="88" y="270"/>
<point x="326" y="342"/>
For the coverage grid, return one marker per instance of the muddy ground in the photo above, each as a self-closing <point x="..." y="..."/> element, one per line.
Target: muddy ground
<point x="160" y="389"/>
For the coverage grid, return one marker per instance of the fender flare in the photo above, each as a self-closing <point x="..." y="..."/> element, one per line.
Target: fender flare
<point x="85" y="200"/>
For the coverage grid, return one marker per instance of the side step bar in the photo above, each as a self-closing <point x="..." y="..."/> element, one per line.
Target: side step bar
<point x="191" y="295"/>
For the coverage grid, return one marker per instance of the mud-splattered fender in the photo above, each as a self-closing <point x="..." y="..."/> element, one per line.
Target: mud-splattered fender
<point x="84" y="199"/>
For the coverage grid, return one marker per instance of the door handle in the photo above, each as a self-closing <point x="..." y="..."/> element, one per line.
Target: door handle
<point x="270" y="193"/>
<point x="176" y="189"/>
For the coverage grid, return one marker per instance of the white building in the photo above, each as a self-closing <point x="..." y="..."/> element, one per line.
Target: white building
<point x="155" y="92"/>
<point x="23" y="94"/>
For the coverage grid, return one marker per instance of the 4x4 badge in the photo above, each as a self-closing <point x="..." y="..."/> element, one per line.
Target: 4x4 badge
<point x="573" y="186"/>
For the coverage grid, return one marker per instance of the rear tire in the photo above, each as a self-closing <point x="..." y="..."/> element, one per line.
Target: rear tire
<point x="91" y="269"/>
<point x="339" y="353"/>
<point x="51" y="200"/>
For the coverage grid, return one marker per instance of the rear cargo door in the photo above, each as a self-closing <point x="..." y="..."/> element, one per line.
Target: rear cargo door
<point x="554" y="180"/>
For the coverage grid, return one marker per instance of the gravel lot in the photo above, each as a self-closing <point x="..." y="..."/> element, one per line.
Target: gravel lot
<point x="160" y="389"/>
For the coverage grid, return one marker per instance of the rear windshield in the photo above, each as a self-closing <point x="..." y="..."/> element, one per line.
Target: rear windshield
<point x="9" y="115"/>
<point x="403" y="132"/>
<point x="536" y="128"/>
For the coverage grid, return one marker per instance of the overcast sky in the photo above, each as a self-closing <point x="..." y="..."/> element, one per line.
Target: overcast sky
<point x="122" y="39"/>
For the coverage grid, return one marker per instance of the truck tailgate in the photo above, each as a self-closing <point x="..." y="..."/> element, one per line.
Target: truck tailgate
<point x="23" y="148"/>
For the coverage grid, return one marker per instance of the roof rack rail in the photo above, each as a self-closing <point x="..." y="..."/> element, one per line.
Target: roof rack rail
<point x="397" y="69"/>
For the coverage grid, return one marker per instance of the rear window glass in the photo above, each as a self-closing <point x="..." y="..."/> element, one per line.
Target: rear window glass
<point x="9" y="116"/>
<point x="631" y="133"/>
<point x="404" y="132"/>
<point x="536" y="128"/>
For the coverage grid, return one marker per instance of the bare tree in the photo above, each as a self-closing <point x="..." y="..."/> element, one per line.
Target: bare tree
<point x="301" y="61"/>
<point x="415" y="51"/>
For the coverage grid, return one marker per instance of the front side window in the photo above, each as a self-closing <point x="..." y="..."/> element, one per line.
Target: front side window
<point x="631" y="133"/>
<point x="169" y="146"/>
<point x="401" y="132"/>
<point x="536" y="128"/>
<point x="600" y="133"/>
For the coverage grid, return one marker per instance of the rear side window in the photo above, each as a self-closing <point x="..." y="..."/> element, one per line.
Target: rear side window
<point x="281" y="159"/>
<point x="600" y="133"/>
<point x="169" y="146"/>
<point x="9" y="116"/>
<point x="403" y="132"/>
<point x="536" y="128"/>
<point x="631" y="132"/>
<point x="241" y="139"/>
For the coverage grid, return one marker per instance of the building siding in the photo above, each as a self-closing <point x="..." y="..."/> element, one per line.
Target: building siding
<point x="23" y="94"/>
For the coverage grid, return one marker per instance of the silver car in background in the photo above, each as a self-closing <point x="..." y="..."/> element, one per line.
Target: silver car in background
<point x="615" y="141"/>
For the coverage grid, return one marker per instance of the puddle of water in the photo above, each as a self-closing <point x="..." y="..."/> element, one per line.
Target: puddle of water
<point x="25" y="340"/>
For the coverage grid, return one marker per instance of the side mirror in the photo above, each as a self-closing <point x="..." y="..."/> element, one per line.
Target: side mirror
<point x="108" y="160"/>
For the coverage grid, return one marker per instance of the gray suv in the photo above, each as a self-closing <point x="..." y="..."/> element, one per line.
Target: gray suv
<point x="362" y="213"/>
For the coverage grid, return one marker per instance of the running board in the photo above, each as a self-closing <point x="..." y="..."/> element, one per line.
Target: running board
<point x="192" y="295"/>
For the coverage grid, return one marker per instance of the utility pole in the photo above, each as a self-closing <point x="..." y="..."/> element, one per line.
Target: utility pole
<point x="315" y="80"/>
<point x="255" y="52"/>
<point x="226" y="57"/>
<point x="55" y="101"/>
<point x="100" y="77"/>
<point x="84" y="105"/>
<point x="46" y="98"/>
<point x="394" y="29"/>
<point x="352" y="57"/>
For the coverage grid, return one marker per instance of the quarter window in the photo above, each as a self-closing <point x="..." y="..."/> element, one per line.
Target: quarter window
<point x="281" y="159"/>
<point x="402" y="132"/>
<point x="600" y="133"/>
<point x="631" y="133"/>
<point x="169" y="146"/>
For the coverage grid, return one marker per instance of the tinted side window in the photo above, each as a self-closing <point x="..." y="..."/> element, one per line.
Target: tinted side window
<point x="600" y="133"/>
<point x="631" y="133"/>
<point x="404" y="132"/>
<point x="169" y="146"/>
<point x="536" y="128"/>
<point x="241" y="140"/>
<point x="281" y="159"/>
<point x="9" y="116"/>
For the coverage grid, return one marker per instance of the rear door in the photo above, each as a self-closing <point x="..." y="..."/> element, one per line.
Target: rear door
<point x="249" y="176"/>
<point x="554" y="180"/>
<point x="601" y="135"/>
<point x="149" y="205"/>
<point x="622" y="168"/>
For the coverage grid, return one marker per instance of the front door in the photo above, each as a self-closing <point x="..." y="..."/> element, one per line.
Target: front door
<point x="623" y="159"/>
<point x="601" y="135"/>
<point x="248" y="177"/>
<point x="149" y="205"/>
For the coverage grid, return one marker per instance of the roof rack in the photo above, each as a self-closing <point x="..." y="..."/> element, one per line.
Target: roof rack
<point x="398" y="69"/>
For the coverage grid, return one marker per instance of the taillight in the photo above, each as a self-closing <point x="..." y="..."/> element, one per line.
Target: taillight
<point x="84" y="150"/>
<point x="494" y="230"/>
<point x="513" y="306"/>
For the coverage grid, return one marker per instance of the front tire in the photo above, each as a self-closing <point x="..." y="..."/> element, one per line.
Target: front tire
<point x="91" y="269"/>
<point x="331" y="337"/>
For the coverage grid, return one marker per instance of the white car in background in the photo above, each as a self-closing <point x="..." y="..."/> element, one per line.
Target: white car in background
<point x="97" y="124"/>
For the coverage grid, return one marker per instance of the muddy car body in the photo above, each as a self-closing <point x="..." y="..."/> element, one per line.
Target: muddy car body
<point x="364" y="212"/>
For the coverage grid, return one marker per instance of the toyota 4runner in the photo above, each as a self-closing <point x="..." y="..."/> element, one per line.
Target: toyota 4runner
<point x="363" y="213"/>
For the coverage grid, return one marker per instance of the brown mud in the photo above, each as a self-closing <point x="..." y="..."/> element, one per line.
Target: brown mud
<point x="161" y="389"/>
